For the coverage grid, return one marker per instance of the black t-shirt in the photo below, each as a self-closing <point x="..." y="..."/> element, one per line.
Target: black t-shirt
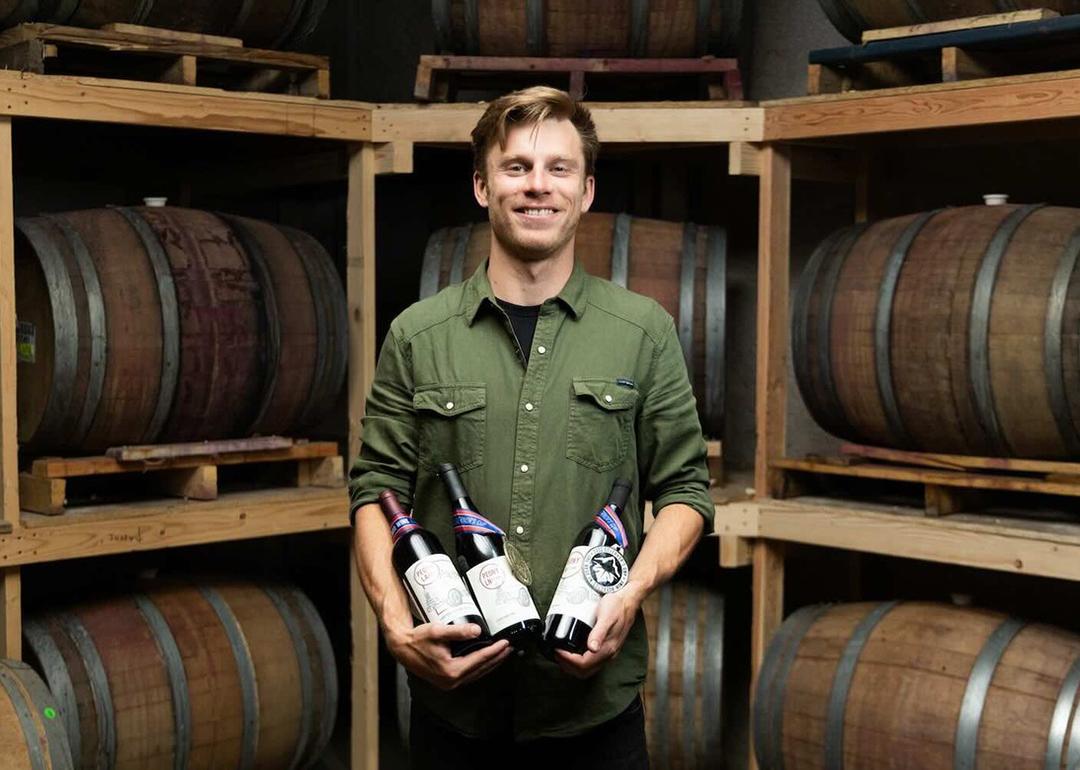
<point x="523" y="319"/>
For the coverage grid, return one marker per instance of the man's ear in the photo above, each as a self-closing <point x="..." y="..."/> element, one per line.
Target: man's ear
<point x="479" y="187"/>
<point x="590" y="192"/>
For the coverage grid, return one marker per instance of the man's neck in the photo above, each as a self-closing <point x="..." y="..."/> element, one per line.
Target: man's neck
<point x="529" y="283"/>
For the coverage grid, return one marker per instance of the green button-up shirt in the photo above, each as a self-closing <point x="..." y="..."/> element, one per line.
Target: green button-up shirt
<point x="604" y="395"/>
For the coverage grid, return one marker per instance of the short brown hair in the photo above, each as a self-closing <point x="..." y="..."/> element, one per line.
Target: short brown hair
<point x="526" y="107"/>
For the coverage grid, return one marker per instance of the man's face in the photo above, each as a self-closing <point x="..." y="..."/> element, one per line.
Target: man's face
<point x="536" y="189"/>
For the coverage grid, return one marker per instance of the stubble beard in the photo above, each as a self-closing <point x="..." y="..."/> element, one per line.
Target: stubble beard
<point x="503" y="232"/>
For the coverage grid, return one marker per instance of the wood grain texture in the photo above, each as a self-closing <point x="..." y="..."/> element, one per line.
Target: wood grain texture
<point x="100" y="530"/>
<point x="10" y="585"/>
<point x="969" y="22"/>
<point x="174" y="106"/>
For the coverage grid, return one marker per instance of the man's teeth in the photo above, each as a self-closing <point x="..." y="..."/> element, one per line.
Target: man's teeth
<point x="538" y="212"/>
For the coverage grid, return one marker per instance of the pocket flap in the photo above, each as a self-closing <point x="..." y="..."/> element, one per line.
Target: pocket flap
<point x="605" y="393"/>
<point x="450" y="400"/>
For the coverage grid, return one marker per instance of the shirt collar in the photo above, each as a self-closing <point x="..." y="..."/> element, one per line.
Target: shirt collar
<point x="574" y="295"/>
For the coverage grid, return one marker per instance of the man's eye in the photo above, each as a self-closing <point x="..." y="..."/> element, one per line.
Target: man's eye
<point x="516" y="168"/>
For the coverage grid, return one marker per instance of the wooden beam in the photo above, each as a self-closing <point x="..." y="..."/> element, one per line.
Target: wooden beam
<point x="360" y="286"/>
<point x="736" y="551"/>
<point x="394" y="158"/>
<point x="952" y="25"/>
<point x="691" y="122"/>
<point x="817" y="164"/>
<point x="986" y="542"/>
<point x="1016" y="99"/>
<point x="142" y="103"/>
<point x="774" y="236"/>
<point x="768" y="608"/>
<point x="10" y="579"/>
<point x="142" y="526"/>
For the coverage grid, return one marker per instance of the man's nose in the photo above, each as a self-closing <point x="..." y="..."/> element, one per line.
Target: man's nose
<point x="538" y="180"/>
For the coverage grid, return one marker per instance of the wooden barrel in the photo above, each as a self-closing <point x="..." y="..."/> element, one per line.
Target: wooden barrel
<point x="219" y="675"/>
<point x="681" y="266"/>
<point x="32" y="735"/>
<point x="591" y="28"/>
<point x="948" y="331"/>
<point x="138" y="325"/>
<point x="851" y="17"/>
<point x="685" y="680"/>
<point x="259" y="23"/>
<point x="867" y="686"/>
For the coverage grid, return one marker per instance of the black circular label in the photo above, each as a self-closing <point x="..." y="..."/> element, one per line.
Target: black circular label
<point x="605" y="569"/>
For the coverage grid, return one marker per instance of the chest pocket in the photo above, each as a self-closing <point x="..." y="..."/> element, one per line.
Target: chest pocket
<point x="601" y="422"/>
<point x="451" y="422"/>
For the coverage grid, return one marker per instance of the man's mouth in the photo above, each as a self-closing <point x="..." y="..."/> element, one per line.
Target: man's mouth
<point x="534" y="211"/>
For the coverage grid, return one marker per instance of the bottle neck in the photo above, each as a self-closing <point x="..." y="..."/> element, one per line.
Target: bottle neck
<point x="608" y="519"/>
<point x="468" y="521"/>
<point x="401" y="524"/>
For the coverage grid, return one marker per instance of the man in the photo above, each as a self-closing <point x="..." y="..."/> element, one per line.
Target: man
<point x="543" y="385"/>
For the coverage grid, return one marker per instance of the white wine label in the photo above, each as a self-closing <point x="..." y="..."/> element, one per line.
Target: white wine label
<point x="503" y="600"/>
<point x="438" y="591"/>
<point x="573" y="596"/>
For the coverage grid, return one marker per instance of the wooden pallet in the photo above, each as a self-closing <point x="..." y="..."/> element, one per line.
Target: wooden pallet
<point x="1016" y="43"/>
<point x="131" y="52"/>
<point x="950" y="483"/>
<point x="439" y="78"/>
<point x="180" y="470"/>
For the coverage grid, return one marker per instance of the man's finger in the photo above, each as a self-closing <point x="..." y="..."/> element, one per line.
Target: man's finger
<point x="486" y="668"/>
<point x="600" y="632"/>
<point x="443" y="631"/>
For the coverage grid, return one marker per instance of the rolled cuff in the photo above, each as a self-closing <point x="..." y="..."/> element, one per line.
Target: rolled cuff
<point x="694" y="496"/>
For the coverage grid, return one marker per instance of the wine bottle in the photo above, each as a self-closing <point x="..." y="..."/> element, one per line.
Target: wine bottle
<point x="596" y="566"/>
<point x="434" y="587"/>
<point x="505" y="603"/>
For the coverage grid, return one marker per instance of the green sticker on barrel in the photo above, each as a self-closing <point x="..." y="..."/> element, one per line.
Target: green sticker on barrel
<point x="49" y="712"/>
<point x="25" y="342"/>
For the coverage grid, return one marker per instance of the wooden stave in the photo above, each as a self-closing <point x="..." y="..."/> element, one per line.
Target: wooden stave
<point x="852" y="17"/>
<point x="634" y="29"/>
<point x="803" y="679"/>
<point x="675" y="252"/>
<point x="187" y="618"/>
<point x="685" y="625"/>
<point x="31" y="735"/>
<point x="938" y="404"/>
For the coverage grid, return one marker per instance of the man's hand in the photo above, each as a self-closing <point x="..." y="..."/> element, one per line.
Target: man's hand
<point x="614" y="617"/>
<point x="425" y="651"/>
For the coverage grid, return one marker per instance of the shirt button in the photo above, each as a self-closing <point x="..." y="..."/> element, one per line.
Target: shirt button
<point x="606" y="398"/>
<point x="541" y="349"/>
<point x="449" y="404"/>
<point x="520" y="530"/>
<point x="528" y="407"/>
<point x="524" y="468"/>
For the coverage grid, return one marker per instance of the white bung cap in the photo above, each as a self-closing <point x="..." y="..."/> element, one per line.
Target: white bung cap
<point x="996" y="199"/>
<point x="155" y="201"/>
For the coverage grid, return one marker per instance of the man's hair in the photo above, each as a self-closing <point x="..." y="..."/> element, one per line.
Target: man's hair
<point x="532" y="106"/>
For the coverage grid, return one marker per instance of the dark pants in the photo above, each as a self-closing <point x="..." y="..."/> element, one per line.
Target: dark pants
<point x="618" y="744"/>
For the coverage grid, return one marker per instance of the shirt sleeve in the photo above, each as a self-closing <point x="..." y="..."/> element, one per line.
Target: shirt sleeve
<point x="387" y="458"/>
<point x="671" y="449"/>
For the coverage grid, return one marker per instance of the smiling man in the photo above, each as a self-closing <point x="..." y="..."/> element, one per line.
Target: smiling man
<point x="543" y="385"/>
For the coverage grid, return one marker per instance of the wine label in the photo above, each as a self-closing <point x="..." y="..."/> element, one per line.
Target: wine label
<point x="438" y="590"/>
<point x="502" y="598"/>
<point x="573" y="596"/>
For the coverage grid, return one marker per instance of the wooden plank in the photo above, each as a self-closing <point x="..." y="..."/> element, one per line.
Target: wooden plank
<point x="641" y="66"/>
<point x="736" y="552"/>
<point x="198" y="483"/>
<point x="768" y="607"/>
<point x="818" y="164"/>
<point x="960" y="462"/>
<point x="11" y="596"/>
<point x="774" y="241"/>
<point x="1016" y="99"/>
<point x="1005" y="545"/>
<point x="142" y="452"/>
<point x="160" y="104"/>
<point x="172" y="34"/>
<point x="958" y="64"/>
<point x="691" y="122"/>
<point x="143" y="526"/>
<point x="360" y="289"/>
<point x="324" y="472"/>
<point x="394" y="158"/>
<point x="928" y="476"/>
<point x="54" y="467"/>
<point x="41" y="495"/>
<point x="951" y="25"/>
<point x="183" y="71"/>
